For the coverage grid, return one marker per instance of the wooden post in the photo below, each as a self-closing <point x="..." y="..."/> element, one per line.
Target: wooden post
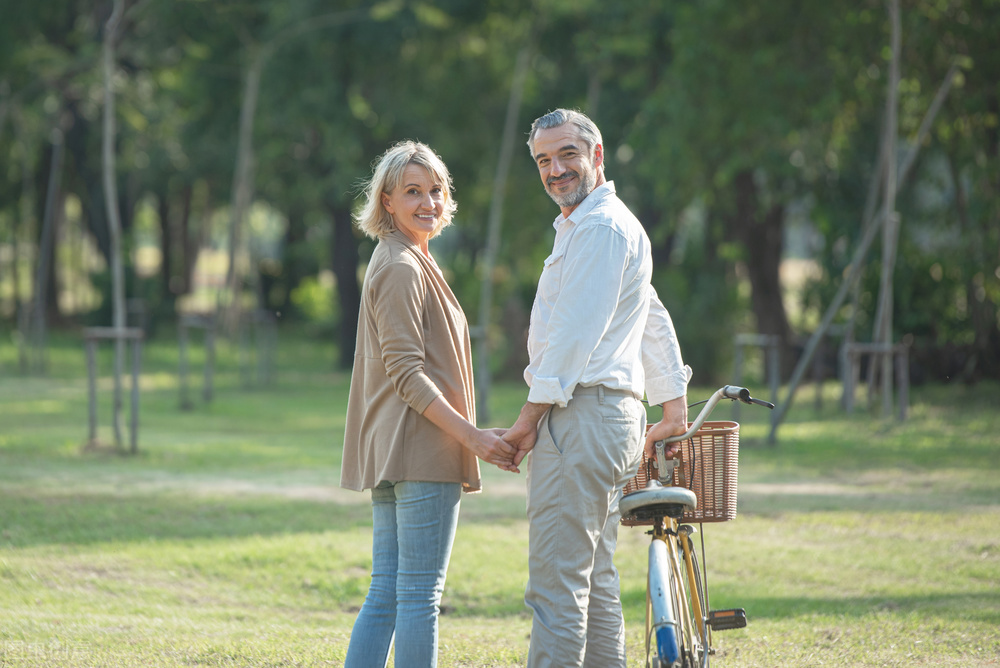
<point x="206" y="324"/>
<point x="773" y="360"/>
<point x="817" y="372"/>
<point x="878" y="352"/>
<point x="266" y="338"/>
<point x="134" y="424"/>
<point x="207" y="390"/>
<point x="258" y="340"/>
<point x="182" y="365"/>
<point x="852" y="376"/>
<point x="244" y="350"/>
<point x="903" y="376"/>
<point x="133" y="336"/>
<point x="91" y="347"/>
<point x="137" y="313"/>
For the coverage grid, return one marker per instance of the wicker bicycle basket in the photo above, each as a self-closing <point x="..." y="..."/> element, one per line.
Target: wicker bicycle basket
<point x="709" y="465"/>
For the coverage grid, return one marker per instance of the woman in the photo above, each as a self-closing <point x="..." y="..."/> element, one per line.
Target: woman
<point x="410" y="433"/>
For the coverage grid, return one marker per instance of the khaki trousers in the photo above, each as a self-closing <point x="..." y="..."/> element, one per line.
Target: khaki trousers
<point x="584" y="455"/>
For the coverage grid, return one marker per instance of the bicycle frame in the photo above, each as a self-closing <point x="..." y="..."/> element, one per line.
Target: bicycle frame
<point x="662" y="620"/>
<point x="675" y="598"/>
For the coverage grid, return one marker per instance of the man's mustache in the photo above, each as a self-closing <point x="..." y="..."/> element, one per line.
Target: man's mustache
<point x="564" y="175"/>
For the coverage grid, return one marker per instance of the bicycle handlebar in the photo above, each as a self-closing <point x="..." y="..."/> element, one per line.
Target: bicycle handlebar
<point x="733" y="392"/>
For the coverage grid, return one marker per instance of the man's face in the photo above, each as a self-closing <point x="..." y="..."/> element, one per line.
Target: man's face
<point x="567" y="167"/>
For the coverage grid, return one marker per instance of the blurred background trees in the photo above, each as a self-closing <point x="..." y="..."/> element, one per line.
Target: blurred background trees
<point x="744" y="135"/>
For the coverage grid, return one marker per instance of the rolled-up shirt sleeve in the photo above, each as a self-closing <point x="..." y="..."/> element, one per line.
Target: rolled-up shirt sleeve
<point x="581" y="314"/>
<point x="666" y="374"/>
<point x="397" y="295"/>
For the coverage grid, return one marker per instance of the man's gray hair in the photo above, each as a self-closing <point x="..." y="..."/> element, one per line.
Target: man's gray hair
<point x="587" y="129"/>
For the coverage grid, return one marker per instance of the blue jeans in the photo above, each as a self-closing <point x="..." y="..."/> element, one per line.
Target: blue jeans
<point x="414" y="528"/>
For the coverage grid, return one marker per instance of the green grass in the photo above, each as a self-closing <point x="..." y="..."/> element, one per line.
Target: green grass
<point x="227" y="542"/>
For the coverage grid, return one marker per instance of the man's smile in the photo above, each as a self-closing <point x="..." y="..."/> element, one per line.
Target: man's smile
<point x="560" y="181"/>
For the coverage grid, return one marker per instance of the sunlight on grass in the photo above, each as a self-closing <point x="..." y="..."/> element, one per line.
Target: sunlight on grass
<point x="35" y="407"/>
<point x="227" y="540"/>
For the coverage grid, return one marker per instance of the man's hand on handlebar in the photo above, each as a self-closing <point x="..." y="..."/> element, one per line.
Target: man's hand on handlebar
<point x="674" y="422"/>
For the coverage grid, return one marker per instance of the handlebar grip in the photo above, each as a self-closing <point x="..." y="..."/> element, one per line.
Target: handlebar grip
<point x="743" y="394"/>
<point x="736" y="392"/>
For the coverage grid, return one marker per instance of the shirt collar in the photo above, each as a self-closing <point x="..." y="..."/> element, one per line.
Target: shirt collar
<point x="587" y="205"/>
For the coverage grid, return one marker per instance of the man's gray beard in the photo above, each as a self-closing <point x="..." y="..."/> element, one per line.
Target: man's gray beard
<point x="588" y="180"/>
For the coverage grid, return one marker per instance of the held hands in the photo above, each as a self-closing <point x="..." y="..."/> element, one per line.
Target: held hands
<point x="523" y="434"/>
<point x="488" y="445"/>
<point x="521" y="437"/>
<point x="674" y="422"/>
<point x="484" y="443"/>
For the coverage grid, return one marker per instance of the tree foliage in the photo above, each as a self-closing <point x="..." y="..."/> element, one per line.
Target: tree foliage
<point x="730" y="128"/>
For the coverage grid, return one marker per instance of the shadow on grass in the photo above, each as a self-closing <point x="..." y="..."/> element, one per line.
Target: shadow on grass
<point x="84" y="519"/>
<point x="981" y="606"/>
<point x="774" y="500"/>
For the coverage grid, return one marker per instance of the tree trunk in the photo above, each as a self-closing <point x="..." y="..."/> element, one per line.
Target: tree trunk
<point x="88" y="183"/>
<point x="53" y="311"/>
<point x="35" y="324"/>
<point x="345" y="269"/>
<point x="20" y="227"/>
<point x="168" y="243"/>
<point x="111" y="202"/>
<point x="494" y="221"/>
<point x="293" y="264"/>
<point x="243" y="175"/>
<point x="761" y="233"/>
<point x="884" y="333"/>
<point x="190" y="244"/>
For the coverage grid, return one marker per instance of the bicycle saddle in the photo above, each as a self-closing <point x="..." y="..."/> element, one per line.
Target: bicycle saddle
<point x="656" y="499"/>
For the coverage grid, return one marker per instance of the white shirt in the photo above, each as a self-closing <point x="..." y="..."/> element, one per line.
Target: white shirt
<point x="596" y="319"/>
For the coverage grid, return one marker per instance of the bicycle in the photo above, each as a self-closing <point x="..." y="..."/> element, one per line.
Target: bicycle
<point x="699" y="486"/>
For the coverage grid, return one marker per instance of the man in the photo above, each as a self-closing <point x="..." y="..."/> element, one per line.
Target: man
<point x="599" y="339"/>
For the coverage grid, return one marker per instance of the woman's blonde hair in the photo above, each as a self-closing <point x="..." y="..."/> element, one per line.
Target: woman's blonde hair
<point x="387" y="174"/>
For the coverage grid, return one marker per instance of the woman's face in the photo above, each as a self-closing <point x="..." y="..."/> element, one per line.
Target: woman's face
<point x="416" y="206"/>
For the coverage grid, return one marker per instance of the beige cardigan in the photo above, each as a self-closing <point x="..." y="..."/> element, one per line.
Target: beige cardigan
<point x="413" y="346"/>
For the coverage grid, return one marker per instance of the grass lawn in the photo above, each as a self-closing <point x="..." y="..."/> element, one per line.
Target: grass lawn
<point x="227" y="542"/>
